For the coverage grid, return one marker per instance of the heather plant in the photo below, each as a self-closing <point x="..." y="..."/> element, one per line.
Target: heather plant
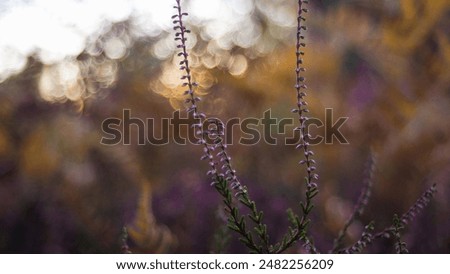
<point x="382" y="64"/>
<point x="243" y="215"/>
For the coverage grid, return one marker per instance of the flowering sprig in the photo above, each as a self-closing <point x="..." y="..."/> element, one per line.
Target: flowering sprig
<point x="241" y="191"/>
<point x="361" y="204"/>
<point x="412" y="212"/>
<point x="419" y="205"/>
<point x="225" y="158"/>
<point x="302" y="108"/>
<point x="365" y="240"/>
<point x="398" y="224"/>
<point x="221" y="181"/>
<point x="190" y="84"/>
<point x="299" y="229"/>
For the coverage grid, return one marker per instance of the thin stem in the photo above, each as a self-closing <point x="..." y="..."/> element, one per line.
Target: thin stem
<point x="366" y="239"/>
<point x="300" y="231"/>
<point x="400" y="246"/>
<point x="188" y="82"/>
<point x="235" y="221"/>
<point x="361" y="204"/>
<point x="300" y="88"/>
<point x="406" y="218"/>
<point x="241" y="191"/>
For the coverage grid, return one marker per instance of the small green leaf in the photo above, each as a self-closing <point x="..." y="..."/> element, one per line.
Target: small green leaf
<point x="245" y="202"/>
<point x="234" y="212"/>
<point x="253" y="204"/>
<point x="261" y="214"/>
<point x="253" y="218"/>
<point x="310" y="207"/>
<point x="233" y="227"/>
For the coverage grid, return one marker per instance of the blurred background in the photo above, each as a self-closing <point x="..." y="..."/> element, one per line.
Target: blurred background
<point x="66" y="66"/>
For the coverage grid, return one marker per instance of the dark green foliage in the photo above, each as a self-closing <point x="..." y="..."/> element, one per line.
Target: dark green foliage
<point x="236" y="221"/>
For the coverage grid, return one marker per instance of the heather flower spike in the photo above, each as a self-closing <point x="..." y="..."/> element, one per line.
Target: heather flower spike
<point x="299" y="231"/>
<point x="301" y="94"/>
<point x="362" y="202"/>
<point x="236" y="221"/>
<point x="412" y="212"/>
<point x="365" y="240"/>
<point x="419" y="205"/>
<point x="398" y="224"/>
<point x="180" y="37"/>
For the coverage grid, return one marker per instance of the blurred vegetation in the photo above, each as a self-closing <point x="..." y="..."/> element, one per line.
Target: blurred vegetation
<point x="384" y="65"/>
